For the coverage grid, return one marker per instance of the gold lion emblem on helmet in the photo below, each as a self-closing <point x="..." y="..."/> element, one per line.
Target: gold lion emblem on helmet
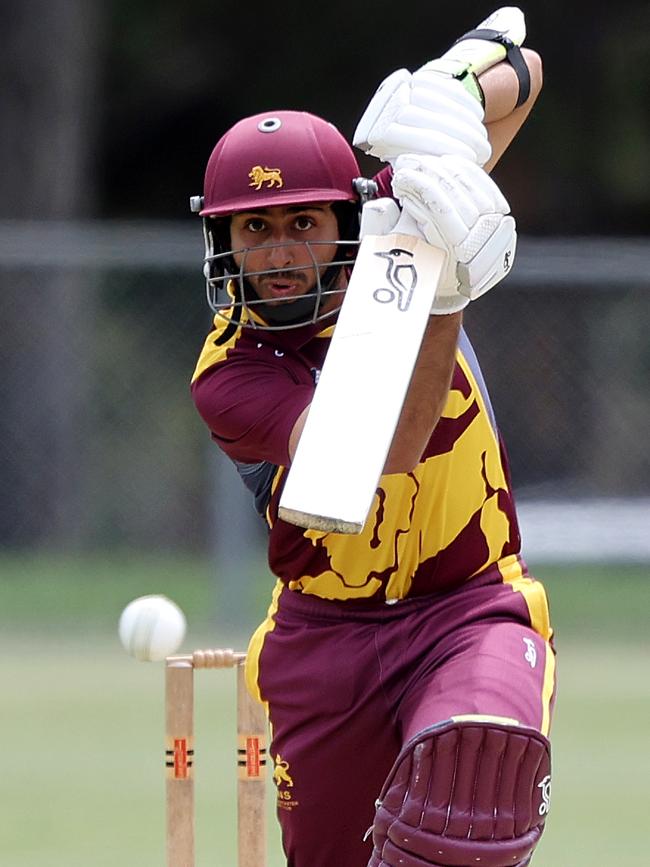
<point x="264" y="175"/>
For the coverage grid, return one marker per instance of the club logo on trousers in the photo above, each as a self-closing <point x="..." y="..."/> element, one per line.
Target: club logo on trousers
<point x="401" y="276"/>
<point x="281" y="772"/>
<point x="284" y="784"/>
<point x="264" y="175"/>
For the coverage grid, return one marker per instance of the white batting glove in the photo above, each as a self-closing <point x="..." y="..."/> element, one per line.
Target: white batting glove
<point x="458" y="208"/>
<point x="423" y="113"/>
<point x="379" y="217"/>
<point x="485" y="46"/>
<point x="438" y="109"/>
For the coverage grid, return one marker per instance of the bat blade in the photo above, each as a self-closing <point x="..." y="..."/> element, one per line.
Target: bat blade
<point x="359" y="396"/>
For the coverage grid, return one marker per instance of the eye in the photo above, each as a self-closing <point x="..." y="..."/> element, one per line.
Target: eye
<point x="255" y="225"/>
<point x="304" y="222"/>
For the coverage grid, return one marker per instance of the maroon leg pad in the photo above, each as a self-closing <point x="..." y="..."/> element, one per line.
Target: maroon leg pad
<point x="470" y="792"/>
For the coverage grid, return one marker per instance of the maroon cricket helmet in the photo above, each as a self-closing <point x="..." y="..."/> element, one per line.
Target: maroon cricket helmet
<point x="278" y="158"/>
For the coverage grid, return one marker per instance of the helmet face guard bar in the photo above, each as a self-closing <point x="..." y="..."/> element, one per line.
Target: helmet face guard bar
<point x="228" y="288"/>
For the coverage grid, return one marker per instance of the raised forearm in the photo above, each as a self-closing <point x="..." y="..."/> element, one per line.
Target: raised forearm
<point x="427" y="393"/>
<point x="500" y="87"/>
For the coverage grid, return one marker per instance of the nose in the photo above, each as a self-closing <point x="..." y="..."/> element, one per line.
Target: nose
<point x="281" y="252"/>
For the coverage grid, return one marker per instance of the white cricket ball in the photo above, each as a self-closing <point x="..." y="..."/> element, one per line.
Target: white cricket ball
<point x="152" y="627"/>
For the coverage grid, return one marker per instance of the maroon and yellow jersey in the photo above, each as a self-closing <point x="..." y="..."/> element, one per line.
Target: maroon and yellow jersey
<point x="451" y="518"/>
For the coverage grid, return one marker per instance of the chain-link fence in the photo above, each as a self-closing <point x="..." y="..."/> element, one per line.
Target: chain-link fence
<point x="100" y="445"/>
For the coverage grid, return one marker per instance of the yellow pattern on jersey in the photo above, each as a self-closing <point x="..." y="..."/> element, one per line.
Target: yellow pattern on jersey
<point x="211" y="353"/>
<point x="423" y="512"/>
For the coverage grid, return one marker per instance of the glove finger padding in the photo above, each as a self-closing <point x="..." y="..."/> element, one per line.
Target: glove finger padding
<point x="397" y="139"/>
<point x="431" y="189"/>
<point x="460" y="209"/>
<point x="431" y="89"/>
<point x="429" y="130"/>
<point x="477" y="179"/>
<point x="429" y="114"/>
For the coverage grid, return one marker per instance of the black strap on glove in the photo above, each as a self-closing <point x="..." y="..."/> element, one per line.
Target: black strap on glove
<point x="513" y="55"/>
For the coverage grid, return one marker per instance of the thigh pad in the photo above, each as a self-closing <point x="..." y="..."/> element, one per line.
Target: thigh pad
<point x="468" y="791"/>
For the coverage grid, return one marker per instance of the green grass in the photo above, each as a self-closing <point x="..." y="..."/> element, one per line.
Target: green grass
<point x="600" y="603"/>
<point x="55" y="591"/>
<point x="82" y="724"/>
<point x="601" y="759"/>
<point x="83" y="595"/>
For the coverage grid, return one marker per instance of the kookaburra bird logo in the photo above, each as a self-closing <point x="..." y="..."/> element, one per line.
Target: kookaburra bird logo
<point x="401" y="276"/>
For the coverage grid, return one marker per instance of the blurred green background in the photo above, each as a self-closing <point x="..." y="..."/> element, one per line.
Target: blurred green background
<point x="83" y="723"/>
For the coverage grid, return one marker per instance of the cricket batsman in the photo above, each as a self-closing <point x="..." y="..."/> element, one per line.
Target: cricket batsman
<point x="408" y="671"/>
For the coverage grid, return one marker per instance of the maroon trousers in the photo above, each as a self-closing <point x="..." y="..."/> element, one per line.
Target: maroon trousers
<point x="347" y="685"/>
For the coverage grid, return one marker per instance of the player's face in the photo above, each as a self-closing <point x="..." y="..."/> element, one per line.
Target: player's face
<point x="274" y="241"/>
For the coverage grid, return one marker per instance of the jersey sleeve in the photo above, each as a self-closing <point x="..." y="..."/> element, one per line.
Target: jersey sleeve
<point x="383" y="180"/>
<point x="251" y="409"/>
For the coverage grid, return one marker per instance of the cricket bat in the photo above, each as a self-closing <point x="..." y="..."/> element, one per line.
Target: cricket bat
<point x="362" y="386"/>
